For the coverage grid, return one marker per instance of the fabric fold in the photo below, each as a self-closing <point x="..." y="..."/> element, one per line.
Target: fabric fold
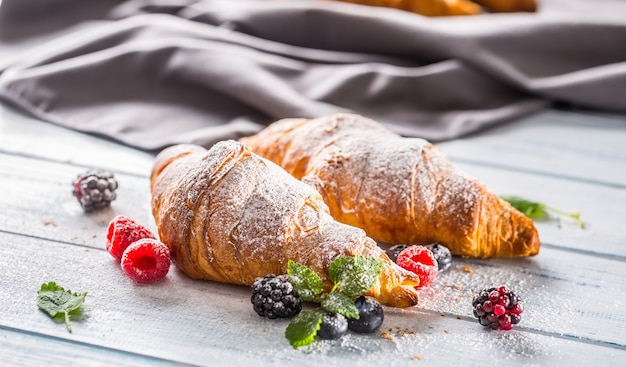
<point x="157" y="73"/>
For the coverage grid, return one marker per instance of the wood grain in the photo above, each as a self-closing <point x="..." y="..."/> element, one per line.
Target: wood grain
<point x="190" y="321"/>
<point x="574" y="290"/>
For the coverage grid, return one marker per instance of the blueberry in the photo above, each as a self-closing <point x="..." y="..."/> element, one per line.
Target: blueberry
<point x="394" y="251"/>
<point x="442" y="255"/>
<point x="333" y="326"/>
<point x="370" y="315"/>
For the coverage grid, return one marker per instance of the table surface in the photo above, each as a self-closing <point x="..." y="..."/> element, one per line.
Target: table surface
<point x="574" y="291"/>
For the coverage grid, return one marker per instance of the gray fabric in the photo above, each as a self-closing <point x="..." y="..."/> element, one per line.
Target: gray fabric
<point x="154" y="73"/>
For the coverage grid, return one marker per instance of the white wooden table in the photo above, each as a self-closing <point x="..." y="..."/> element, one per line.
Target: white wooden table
<point x="574" y="290"/>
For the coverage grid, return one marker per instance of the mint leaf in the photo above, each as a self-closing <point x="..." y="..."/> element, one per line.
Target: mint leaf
<point x="536" y="210"/>
<point x="57" y="301"/>
<point x="339" y="303"/>
<point x="531" y="209"/>
<point x="303" y="328"/>
<point x="354" y="275"/>
<point x="306" y="283"/>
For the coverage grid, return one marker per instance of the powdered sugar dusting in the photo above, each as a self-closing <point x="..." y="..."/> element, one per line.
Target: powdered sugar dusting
<point x="247" y="217"/>
<point x="397" y="189"/>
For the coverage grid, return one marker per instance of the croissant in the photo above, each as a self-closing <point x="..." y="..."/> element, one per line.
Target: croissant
<point x="430" y="8"/>
<point x="508" y="6"/>
<point x="399" y="190"/>
<point x="230" y="216"/>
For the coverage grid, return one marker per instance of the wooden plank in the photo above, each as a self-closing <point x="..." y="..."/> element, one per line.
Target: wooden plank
<point x="590" y="150"/>
<point x="199" y="322"/>
<point x="38" y="201"/>
<point x="556" y="143"/>
<point x="603" y="208"/>
<point x="19" y="348"/>
<point x="25" y="135"/>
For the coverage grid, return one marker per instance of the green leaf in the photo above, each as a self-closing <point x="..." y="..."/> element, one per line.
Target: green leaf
<point x="531" y="209"/>
<point x="535" y="210"/>
<point x="303" y="328"/>
<point x="354" y="275"/>
<point x="306" y="283"/>
<point x="340" y="303"/>
<point x="56" y="301"/>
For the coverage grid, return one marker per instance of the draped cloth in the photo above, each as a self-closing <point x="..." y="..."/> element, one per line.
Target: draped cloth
<point x="154" y="73"/>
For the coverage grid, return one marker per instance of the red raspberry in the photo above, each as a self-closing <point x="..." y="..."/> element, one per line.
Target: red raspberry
<point x="421" y="261"/>
<point x="146" y="260"/>
<point x="122" y="232"/>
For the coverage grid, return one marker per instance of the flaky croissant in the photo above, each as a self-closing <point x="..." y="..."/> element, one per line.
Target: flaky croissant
<point x="399" y="190"/>
<point x="430" y="8"/>
<point x="230" y="216"/>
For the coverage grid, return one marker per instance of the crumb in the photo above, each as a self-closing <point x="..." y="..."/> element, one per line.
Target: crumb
<point x="457" y="287"/>
<point x="442" y="314"/>
<point x="446" y="331"/>
<point x="50" y="223"/>
<point x="457" y="299"/>
<point x="458" y="317"/>
<point x="468" y="269"/>
<point x="406" y="331"/>
<point x="94" y="236"/>
<point x="430" y="327"/>
<point x="416" y="357"/>
<point x="386" y="335"/>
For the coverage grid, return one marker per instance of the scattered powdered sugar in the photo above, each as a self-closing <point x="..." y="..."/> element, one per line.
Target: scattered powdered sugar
<point x="400" y="190"/>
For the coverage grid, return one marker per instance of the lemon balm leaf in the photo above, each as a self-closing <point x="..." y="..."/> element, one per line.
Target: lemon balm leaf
<point x="537" y="210"/>
<point x="303" y="327"/>
<point x="56" y="301"/>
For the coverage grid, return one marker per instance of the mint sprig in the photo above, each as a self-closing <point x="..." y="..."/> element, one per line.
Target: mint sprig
<point x="58" y="302"/>
<point x="303" y="328"/>
<point x="351" y="276"/>
<point x="537" y="210"/>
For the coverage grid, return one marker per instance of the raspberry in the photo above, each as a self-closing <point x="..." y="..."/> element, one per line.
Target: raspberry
<point x="146" y="260"/>
<point x="122" y="232"/>
<point x="94" y="189"/>
<point x="420" y="261"/>
<point x="273" y="296"/>
<point x="498" y="308"/>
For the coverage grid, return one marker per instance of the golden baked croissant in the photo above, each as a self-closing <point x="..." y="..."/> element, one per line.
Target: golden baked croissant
<point x="230" y="216"/>
<point x="508" y="6"/>
<point x="429" y="8"/>
<point x="399" y="190"/>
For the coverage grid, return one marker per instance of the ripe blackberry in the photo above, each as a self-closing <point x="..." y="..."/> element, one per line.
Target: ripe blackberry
<point x="273" y="296"/>
<point x="371" y="315"/>
<point x="498" y="308"/>
<point x="442" y="255"/>
<point x="334" y="326"/>
<point x="95" y="189"/>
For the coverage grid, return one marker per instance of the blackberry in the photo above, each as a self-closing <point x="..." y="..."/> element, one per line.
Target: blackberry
<point x="498" y="308"/>
<point x="442" y="255"/>
<point x="371" y="315"/>
<point x="333" y="326"/>
<point x="95" y="189"/>
<point x="273" y="297"/>
<point x="394" y="251"/>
